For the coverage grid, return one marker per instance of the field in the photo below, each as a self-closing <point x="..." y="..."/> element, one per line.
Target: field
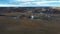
<point x="28" y="26"/>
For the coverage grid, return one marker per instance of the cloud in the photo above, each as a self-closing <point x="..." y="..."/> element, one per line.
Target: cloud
<point x="23" y="0"/>
<point x="26" y="3"/>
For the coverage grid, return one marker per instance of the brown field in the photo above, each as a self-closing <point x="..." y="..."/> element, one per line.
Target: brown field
<point x="27" y="26"/>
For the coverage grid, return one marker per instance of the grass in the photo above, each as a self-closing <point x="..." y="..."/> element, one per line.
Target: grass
<point x="27" y="26"/>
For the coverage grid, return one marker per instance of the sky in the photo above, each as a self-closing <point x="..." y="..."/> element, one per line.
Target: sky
<point x="29" y="3"/>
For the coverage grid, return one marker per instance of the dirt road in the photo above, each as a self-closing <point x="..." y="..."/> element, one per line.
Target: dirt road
<point x="26" y="26"/>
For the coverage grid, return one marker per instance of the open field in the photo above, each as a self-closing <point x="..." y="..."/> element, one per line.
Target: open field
<point x="27" y="26"/>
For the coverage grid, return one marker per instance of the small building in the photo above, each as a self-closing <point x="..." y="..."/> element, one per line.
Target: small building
<point x="23" y="17"/>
